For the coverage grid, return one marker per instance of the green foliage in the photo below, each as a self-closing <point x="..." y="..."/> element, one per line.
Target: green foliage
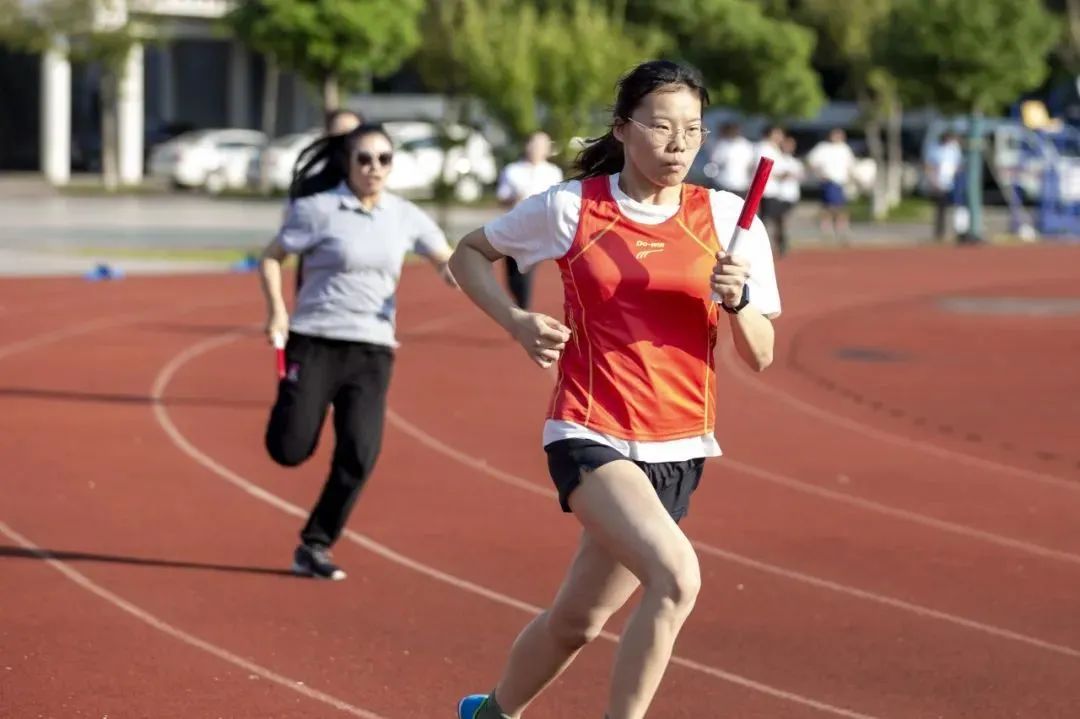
<point x="964" y="55"/>
<point x="533" y="64"/>
<point x="348" y="40"/>
<point x="34" y="28"/>
<point x="847" y="40"/>
<point x="752" y="60"/>
<point x="585" y="51"/>
<point x="487" y="49"/>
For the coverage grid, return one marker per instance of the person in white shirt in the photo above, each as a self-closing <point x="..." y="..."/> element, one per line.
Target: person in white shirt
<point x="520" y="180"/>
<point x="731" y="160"/>
<point x="648" y="289"/>
<point x="772" y="210"/>
<point x="833" y="162"/>
<point x="789" y="173"/>
<point x="942" y="165"/>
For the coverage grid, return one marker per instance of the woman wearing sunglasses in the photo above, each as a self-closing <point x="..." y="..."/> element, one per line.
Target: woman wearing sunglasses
<point x="353" y="238"/>
<point x="641" y="257"/>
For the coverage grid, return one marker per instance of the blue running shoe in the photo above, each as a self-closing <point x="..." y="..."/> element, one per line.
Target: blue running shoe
<point x="466" y="708"/>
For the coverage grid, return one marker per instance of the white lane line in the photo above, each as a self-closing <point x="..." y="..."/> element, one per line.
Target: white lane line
<point x="480" y="465"/>
<point x="157" y="393"/>
<point x="190" y="639"/>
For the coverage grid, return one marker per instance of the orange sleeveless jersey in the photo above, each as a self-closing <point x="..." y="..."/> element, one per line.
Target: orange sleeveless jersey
<point x="639" y="365"/>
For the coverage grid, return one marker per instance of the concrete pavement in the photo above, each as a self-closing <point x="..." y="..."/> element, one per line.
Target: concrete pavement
<point x="46" y="231"/>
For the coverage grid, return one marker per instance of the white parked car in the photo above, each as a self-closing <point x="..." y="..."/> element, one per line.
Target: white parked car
<point x="419" y="160"/>
<point x="215" y="160"/>
<point x="272" y="169"/>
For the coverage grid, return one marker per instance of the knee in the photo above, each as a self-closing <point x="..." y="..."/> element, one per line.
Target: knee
<point x="676" y="581"/>
<point x="574" y="628"/>
<point x="286" y="452"/>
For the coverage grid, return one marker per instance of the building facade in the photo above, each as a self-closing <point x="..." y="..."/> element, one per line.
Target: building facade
<point x="187" y="74"/>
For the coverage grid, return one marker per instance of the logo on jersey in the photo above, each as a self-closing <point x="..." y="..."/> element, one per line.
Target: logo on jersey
<point x="647" y="248"/>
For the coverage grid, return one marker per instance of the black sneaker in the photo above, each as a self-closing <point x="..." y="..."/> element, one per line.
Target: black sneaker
<point x="315" y="562"/>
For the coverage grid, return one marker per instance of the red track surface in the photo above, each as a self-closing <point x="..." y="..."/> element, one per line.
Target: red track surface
<point x="894" y="532"/>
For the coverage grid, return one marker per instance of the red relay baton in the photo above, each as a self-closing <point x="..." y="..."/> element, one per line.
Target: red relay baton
<point x="751" y="203"/>
<point x="279" y="354"/>
<point x="750" y="206"/>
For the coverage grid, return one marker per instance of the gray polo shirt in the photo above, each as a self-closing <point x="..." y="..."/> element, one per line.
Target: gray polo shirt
<point x="352" y="262"/>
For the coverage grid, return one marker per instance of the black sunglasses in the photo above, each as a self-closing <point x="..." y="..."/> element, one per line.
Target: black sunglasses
<point x="366" y="159"/>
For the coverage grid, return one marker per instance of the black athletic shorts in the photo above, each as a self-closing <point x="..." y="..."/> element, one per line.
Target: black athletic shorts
<point x="674" y="482"/>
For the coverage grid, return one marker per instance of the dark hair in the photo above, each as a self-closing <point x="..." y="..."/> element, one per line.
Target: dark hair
<point x="604" y="155"/>
<point x="324" y="164"/>
<point x="332" y="115"/>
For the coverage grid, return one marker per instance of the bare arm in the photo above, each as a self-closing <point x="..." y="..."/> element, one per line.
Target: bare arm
<point x="754" y="338"/>
<point x="277" y="314"/>
<point x="752" y="331"/>
<point x="542" y="337"/>
<point x="440" y="260"/>
<point x="471" y="264"/>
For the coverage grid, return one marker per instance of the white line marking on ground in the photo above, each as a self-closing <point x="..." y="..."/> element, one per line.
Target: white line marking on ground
<point x="520" y="482"/>
<point x="191" y="640"/>
<point x="157" y="393"/>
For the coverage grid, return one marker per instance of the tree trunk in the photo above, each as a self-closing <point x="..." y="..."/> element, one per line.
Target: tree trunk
<point x="331" y="93"/>
<point x="895" y="162"/>
<point x="618" y="12"/>
<point x="444" y="189"/>
<point x="879" y="206"/>
<point x="1072" y="8"/>
<point x="270" y="98"/>
<point x="872" y="127"/>
<point x="110" y="165"/>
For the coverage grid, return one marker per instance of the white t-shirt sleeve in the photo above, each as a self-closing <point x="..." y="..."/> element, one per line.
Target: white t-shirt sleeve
<point x="754" y="247"/>
<point x="796" y="168"/>
<point x="814" y="159"/>
<point x="541" y="227"/>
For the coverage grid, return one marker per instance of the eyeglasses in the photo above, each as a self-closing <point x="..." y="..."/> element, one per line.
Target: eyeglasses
<point x="663" y="135"/>
<point x="366" y="159"/>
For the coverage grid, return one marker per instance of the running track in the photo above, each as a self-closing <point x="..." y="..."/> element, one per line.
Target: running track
<point x="894" y="532"/>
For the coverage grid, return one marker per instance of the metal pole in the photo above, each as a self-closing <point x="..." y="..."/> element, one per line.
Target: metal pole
<point x="975" y="177"/>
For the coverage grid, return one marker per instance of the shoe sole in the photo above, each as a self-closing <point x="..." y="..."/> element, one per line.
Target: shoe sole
<point x="302" y="571"/>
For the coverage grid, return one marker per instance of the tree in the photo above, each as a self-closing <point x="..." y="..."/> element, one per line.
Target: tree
<point x="1065" y="62"/>
<point x="96" y="32"/>
<point x="533" y="64"/>
<point x="753" y="61"/>
<point x="967" y="56"/>
<point x="579" y="73"/>
<point x="1072" y="14"/>
<point x="485" y="49"/>
<point x="846" y="39"/>
<point x="334" y="44"/>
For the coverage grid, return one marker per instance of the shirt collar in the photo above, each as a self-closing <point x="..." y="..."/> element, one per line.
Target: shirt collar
<point x="347" y="200"/>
